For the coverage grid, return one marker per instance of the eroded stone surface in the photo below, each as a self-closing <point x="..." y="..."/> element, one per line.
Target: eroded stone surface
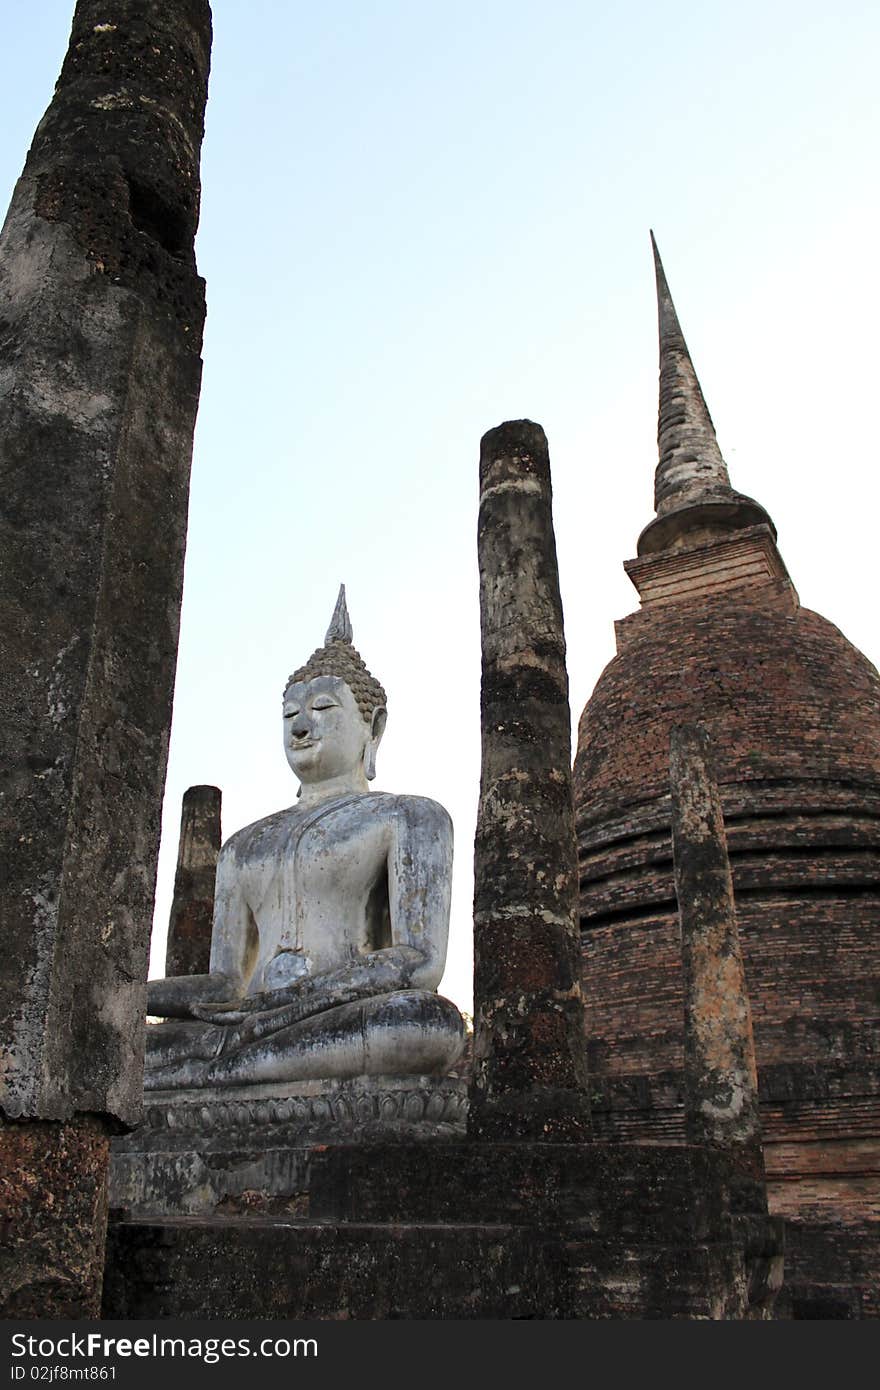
<point x="53" y="1217"/>
<point x="250" y="1148"/>
<point x="473" y="1230"/>
<point x="720" y="1075"/>
<point x="529" y="1067"/>
<point x="101" y="314"/>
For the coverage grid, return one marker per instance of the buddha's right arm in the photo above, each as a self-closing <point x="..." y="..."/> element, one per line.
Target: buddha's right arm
<point x="175" y="996"/>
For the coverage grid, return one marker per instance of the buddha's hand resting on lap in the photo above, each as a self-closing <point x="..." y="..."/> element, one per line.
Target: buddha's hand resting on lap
<point x="234" y="1012"/>
<point x="237" y="1010"/>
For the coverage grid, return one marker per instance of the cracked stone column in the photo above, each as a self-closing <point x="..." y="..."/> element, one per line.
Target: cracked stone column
<point x="529" y="1053"/>
<point x="720" y="1074"/>
<point x="192" y="910"/>
<point x="101" y="316"/>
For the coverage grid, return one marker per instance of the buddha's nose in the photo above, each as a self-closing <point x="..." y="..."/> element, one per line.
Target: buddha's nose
<point x="299" y="727"/>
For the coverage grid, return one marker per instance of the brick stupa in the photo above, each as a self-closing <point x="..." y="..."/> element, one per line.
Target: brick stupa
<point x="793" y="711"/>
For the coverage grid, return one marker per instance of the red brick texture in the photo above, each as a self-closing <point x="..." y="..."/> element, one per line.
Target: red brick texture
<point x="794" y="714"/>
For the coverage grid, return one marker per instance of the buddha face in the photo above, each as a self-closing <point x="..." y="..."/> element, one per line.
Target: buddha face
<point x="325" y="734"/>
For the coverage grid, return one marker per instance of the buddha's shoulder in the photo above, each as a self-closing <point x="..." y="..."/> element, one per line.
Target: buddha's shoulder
<point x="414" y="810"/>
<point x="265" y="830"/>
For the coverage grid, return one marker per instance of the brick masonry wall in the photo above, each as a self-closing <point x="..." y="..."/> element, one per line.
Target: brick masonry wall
<point x="794" y="713"/>
<point x="781" y="691"/>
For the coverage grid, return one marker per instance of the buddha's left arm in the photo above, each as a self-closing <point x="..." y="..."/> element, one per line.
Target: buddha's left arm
<point x="420" y="887"/>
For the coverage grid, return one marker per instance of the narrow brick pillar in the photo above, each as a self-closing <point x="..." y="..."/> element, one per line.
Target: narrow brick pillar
<point x="101" y="315"/>
<point x="720" y="1075"/>
<point x="529" y="1053"/>
<point x="192" y="910"/>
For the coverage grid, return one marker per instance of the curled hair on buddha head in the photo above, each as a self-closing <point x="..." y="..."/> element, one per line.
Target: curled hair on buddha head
<point x="338" y="657"/>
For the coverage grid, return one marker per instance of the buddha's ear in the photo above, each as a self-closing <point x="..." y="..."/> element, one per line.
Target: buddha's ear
<point x="378" y="722"/>
<point x="377" y="729"/>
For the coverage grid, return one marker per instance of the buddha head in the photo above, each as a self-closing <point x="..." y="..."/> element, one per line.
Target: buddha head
<point x="334" y="711"/>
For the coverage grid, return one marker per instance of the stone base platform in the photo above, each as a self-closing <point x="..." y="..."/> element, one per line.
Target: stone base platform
<point x="465" y="1230"/>
<point x="250" y="1149"/>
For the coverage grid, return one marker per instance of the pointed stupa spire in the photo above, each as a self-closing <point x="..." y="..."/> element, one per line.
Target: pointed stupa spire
<point x="340" y="624"/>
<point x="692" y="490"/>
<point x="690" y="460"/>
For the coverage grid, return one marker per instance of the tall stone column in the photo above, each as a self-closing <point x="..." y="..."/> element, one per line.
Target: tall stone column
<point x="720" y="1074"/>
<point x="101" y="316"/>
<point x="529" y="1053"/>
<point x="192" y="910"/>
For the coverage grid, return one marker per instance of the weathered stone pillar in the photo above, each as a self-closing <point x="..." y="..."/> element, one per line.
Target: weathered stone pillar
<point x="188" y="951"/>
<point x="720" y="1075"/>
<point x="101" y="315"/>
<point x="529" y="1054"/>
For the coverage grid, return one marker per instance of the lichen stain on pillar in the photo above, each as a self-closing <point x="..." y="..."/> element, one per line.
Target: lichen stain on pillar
<point x="101" y="317"/>
<point x="721" y="1083"/>
<point x="529" y="1055"/>
<point x="192" y="909"/>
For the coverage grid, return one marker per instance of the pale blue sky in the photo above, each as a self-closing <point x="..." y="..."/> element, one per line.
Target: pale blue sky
<point x="421" y="219"/>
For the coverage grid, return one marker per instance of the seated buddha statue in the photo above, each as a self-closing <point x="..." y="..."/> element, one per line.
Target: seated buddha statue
<point x="330" y="917"/>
